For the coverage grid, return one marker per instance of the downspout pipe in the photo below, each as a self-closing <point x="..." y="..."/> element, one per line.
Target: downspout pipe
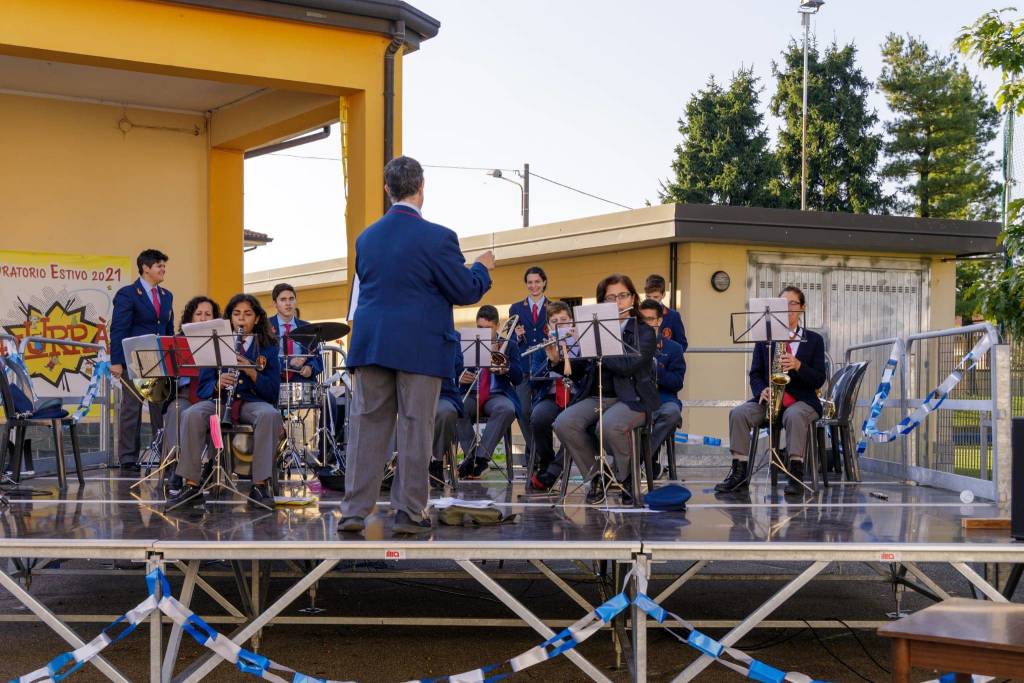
<point x="322" y="134"/>
<point x="397" y="40"/>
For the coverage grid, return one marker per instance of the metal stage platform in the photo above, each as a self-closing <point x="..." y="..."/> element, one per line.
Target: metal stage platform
<point x="884" y="523"/>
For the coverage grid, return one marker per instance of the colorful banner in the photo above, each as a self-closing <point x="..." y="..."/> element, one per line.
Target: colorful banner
<point x="60" y="296"/>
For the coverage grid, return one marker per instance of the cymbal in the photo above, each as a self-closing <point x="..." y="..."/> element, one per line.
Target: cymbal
<point x="320" y="332"/>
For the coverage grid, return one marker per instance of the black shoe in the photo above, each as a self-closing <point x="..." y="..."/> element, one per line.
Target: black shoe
<point x="260" y="495"/>
<point x="596" y="494"/>
<point x="351" y="524"/>
<point x="472" y="468"/>
<point x="436" y="469"/>
<point x="188" y="496"/>
<point x="793" y="485"/>
<point x="626" y="495"/>
<point x="737" y="479"/>
<point x="128" y="468"/>
<point x="404" y="524"/>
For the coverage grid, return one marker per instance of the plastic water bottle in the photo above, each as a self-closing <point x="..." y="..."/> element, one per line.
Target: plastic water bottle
<point x="966" y="497"/>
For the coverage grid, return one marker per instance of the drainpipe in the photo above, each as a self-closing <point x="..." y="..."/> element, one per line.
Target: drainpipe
<point x="397" y="40"/>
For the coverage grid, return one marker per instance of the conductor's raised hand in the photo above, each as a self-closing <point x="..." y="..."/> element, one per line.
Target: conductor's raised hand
<point x="486" y="259"/>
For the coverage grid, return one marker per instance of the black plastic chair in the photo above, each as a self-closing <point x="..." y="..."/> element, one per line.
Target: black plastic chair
<point x="840" y="427"/>
<point x="20" y="422"/>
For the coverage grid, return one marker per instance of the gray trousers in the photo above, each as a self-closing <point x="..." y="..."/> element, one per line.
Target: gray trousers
<point x="500" y="414"/>
<point x="797" y="421"/>
<point x="387" y="401"/>
<point x="195" y="430"/>
<point x="666" y="420"/>
<point x="172" y="424"/>
<point x="572" y="428"/>
<point x="444" y="427"/>
<point x="129" y="425"/>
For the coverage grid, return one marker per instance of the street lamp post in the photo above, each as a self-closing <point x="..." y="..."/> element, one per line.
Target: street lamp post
<point x="807" y="8"/>
<point x="524" y="190"/>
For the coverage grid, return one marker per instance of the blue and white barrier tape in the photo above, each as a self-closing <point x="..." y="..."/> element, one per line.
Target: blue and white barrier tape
<point x="930" y="404"/>
<point x="160" y="598"/>
<point x="101" y="369"/>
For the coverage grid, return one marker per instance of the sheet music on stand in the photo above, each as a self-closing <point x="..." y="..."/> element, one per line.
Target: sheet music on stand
<point x="475" y="343"/>
<point x="599" y="332"/>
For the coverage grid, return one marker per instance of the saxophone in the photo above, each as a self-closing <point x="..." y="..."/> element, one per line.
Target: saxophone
<point x="777" y="381"/>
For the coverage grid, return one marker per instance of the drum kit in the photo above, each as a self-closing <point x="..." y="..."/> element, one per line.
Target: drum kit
<point x="303" y="400"/>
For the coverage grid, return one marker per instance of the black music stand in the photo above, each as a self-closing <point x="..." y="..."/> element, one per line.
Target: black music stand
<point x="224" y="357"/>
<point x="607" y="342"/>
<point x="156" y="363"/>
<point x="764" y="325"/>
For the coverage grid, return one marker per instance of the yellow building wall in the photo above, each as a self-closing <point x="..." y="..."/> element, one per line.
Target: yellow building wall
<point x="72" y="182"/>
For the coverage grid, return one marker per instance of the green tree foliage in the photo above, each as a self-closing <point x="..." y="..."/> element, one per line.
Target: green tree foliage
<point x="936" y="144"/>
<point x="724" y="157"/>
<point x="842" y="148"/>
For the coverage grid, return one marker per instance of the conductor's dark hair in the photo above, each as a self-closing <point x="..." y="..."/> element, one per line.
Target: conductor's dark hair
<point x="262" y="329"/>
<point x="616" y="279"/>
<point x="489" y="313"/>
<point x="281" y="287"/>
<point x="796" y="290"/>
<point x="655" y="283"/>
<point x="652" y="305"/>
<point x="537" y="270"/>
<point x="403" y="177"/>
<point x="193" y="304"/>
<point x="149" y="257"/>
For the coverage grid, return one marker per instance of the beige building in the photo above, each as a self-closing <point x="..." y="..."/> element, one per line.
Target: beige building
<point x="865" y="277"/>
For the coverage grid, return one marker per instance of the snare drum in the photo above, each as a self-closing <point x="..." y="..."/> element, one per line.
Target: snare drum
<point x="299" y="395"/>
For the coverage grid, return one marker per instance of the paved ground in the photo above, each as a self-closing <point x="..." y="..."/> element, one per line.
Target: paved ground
<point x="375" y="653"/>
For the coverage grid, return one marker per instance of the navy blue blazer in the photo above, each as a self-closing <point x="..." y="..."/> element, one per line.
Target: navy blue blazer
<point x="671" y="369"/>
<point x="268" y="380"/>
<point x="506" y="384"/>
<point x="534" y="331"/>
<point x="411" y="272"/>
<point x="672" y="327"/>
<point x="315" y="362"/>
<point x="134" y="315"/>
<point x="803" y="383"/>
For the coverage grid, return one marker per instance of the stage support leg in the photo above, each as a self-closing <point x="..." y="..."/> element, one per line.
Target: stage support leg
<point x="526" y="615"/>
<point x="57" y="626"/>
<point x="980" y="583"/>
<point x="641" y="574"/>
<point x="201" y="668"/>
<point x="156" y="631"/>
<point x="759" y="615"/>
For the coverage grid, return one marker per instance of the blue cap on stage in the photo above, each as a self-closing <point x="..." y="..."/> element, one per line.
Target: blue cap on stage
<point x="668" y="498"/>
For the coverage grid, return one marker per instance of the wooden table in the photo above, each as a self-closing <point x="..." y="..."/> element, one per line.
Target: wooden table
<point x="962" y="636"/>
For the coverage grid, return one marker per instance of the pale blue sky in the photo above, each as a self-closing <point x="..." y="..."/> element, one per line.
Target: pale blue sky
<point x="587" y="92"/>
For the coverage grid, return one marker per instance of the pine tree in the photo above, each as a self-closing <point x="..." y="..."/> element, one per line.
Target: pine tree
<point x="936" y="144"/>
<point x="842" y="146"/>
<point x="724" y="157"/>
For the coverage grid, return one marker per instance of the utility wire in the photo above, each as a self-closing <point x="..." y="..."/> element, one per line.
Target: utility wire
<point x="471" y="168"/>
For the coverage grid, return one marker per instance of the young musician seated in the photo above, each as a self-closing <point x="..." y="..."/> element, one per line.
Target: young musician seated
<point x="495" y="394"/>
<point x="185" y="392"/>
<point x="672" y="322"/>
<point x="629" y="392"/>
<point x="804" y="362"/>
<point x="670" y="370"/>
<point x="550" y="398"/>
<point x="254" y="402"/>
<point x="449" y="410"/>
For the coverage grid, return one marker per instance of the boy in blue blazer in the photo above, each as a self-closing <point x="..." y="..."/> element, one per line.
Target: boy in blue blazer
<point x="670" y="369"/>
<point x="495" y="395"/>
<point x="143" y="307"/>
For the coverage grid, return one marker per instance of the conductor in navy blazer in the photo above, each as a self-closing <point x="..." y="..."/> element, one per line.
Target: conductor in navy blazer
<point x="143" y="307"/>
<point x="409" y="274"/>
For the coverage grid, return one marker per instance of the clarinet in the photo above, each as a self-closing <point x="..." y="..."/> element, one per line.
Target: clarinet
<point x="225" y="419"/>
